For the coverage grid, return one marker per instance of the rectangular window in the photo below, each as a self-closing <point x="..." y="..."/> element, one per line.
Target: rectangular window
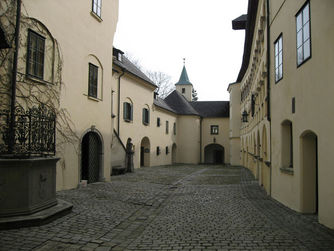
<point x="303" y="34"/>
<point x="174" y="128"/>
<point x="92" y="80"/>
<point x="167" y="150"/>
<point x="279" y="59"/>
<point x="158" y="122"/>
<point x="158" y="150"/>
<point x="214" y="129"/>
<point x="183" y="90"/>
<point x="96" y="7"/>
<point x="35" y="55"/>
<point x="127" y="112"/>
<point x="146" y="116"/>
<point x="167" y="127"/>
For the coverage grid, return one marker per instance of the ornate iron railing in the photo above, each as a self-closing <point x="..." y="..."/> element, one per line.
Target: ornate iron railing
<point x="35" y="132"/>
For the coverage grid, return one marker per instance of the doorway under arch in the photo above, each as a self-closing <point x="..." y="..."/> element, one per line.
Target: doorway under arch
<point x="174" y="153"/>
<point x="145" y="152"/>
<point x="214" y="154"/>
<point x="91" y="157"/>
<point x="309" y="172"/>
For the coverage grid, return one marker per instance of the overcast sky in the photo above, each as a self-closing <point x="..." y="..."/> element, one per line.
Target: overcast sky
<point x="160" y="33"/>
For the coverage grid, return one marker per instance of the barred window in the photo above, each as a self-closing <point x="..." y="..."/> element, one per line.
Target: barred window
<point x="92" y="80"/>
<point x="35" y="55"/>
<point x="303" y="34"/>
<point x="96" y="7"/>
<point x="174" y="128"/>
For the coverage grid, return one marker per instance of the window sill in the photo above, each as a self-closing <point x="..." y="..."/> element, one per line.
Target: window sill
<point x="287" y="170"/>
<point x="37" y="80"/>
<point x="93" y="98"/>
<point x="127" y="120"/>
<point x="96" y="16"/>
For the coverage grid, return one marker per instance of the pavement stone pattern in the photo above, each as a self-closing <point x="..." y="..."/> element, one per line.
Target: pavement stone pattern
<point x="182" y="207"/>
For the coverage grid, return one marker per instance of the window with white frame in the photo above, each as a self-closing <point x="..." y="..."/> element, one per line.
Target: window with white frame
<point x="92" y="80"/>
<point x="303" y="34"/>
<point x="279" y="59"/>
<point x="214" y="129"/>
<point x="96" y="7"/>
<point x="35" y="55"/>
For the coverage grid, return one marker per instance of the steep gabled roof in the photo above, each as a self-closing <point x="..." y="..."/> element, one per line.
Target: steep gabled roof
<point x="212" y="109"/>
<point x="184" y="80"/>
<point x="179" y="104"/>
<point x="162" y="104"/>
<point x="133" y="69"/>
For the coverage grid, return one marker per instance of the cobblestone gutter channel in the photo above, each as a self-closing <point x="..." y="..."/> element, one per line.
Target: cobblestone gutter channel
<point x="174" y="208"/>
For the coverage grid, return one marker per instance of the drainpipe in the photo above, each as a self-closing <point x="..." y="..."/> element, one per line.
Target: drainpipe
<point x="200" y="140"/>
<point x="268" y="91"/>
<point x="119" y="101"/>
<point x="14" y="73"/>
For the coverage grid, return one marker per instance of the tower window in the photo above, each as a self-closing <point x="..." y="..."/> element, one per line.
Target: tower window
<point x="183" y="90"/>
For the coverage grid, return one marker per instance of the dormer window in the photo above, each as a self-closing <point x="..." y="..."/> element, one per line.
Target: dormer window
<point x="119" y="57"/>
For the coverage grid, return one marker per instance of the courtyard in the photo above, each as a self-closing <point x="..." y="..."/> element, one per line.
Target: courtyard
<point x="182" y="207"/>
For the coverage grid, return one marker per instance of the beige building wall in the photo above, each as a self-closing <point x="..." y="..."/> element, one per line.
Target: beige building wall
<point x="188" y="139"/>
<point x="222" y="138"/>
<point x="308" y="185"/>
<point x="140" y="94"/>
<point x="235" y="123"/>
<point x="255" y="143"/>
<point x="83" y="38"/>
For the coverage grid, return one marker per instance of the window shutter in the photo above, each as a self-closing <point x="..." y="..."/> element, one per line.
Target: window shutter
<point x="124" y="110"/>
<point x="143" y="115"/>
<point x="148" y="116"/>
<point x="131" y="111"/>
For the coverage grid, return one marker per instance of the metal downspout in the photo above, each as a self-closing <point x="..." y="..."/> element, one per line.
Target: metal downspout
<point x="119" y="102"/>
<point x="14" y="73"/>
<point x="268" y="90"/>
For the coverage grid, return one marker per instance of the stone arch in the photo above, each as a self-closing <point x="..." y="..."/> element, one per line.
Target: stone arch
<point x="145" y="149"/>
<point x="214" y="154"/>
<point x="309" y="171"/>
<point x="91" y="156"/>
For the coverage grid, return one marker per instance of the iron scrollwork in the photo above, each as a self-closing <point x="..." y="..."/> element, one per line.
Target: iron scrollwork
<point x="35" y="132"/>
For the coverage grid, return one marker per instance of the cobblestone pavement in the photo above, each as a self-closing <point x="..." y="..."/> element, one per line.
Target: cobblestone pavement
<point x="184" y="207"/>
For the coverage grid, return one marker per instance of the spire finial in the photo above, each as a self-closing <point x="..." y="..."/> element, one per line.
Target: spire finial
<point x="184" y="61"/>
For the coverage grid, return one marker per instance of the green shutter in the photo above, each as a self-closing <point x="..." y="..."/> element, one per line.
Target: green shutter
<point x="143" y="116"/>
<point x="125" y="110"/>
<point x="131" y="111"/>
<point x="148" y="116"/>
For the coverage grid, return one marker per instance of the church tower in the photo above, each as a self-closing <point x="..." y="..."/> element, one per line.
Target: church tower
<point x="184" y="86"/>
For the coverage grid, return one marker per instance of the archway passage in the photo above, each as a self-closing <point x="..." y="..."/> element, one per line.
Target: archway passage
<point x="309" y="170"/>
<point x="214" y="154"/>
<point x="174" y="153"/>
<point x="91" y="149"/>
<point x="145" y="152"/>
